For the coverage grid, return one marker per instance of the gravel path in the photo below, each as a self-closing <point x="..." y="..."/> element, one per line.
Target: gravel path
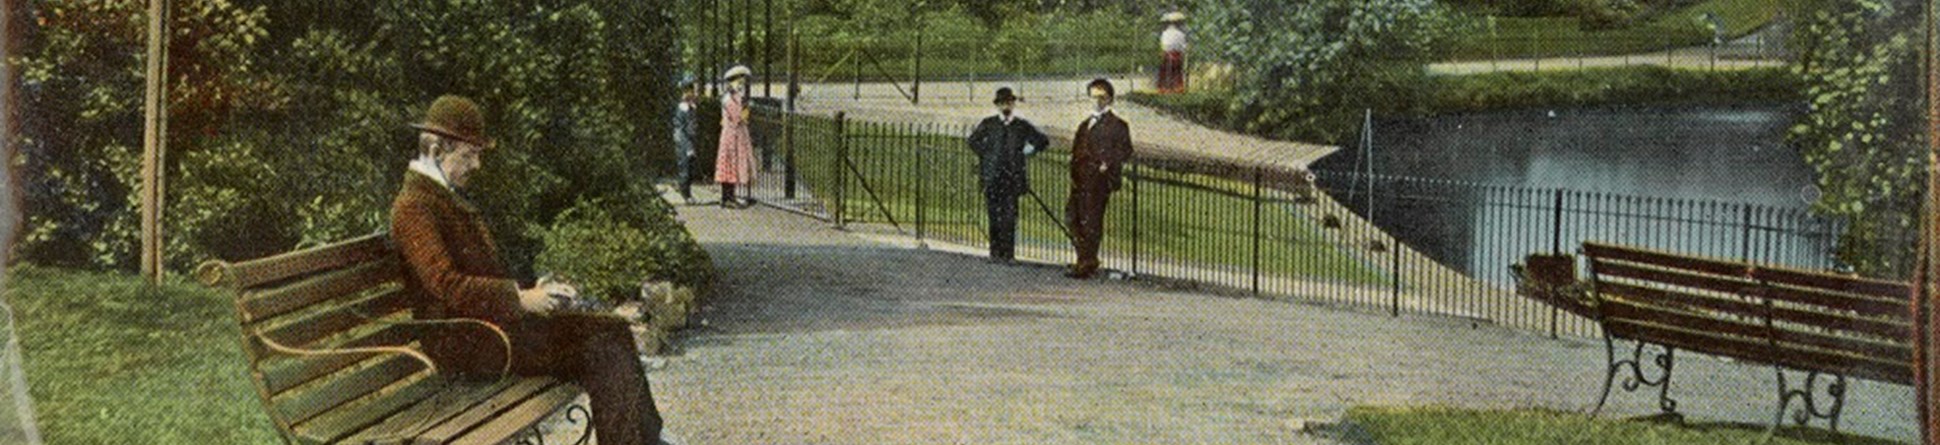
<point x="823" y="337"/>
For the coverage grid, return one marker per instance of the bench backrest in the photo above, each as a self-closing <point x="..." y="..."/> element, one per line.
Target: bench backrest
<point x="1794" y="318"/>
<point x="334" y="296"/>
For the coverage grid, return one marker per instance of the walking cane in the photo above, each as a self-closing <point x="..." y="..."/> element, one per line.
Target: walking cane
<point x="1047" y="212"/>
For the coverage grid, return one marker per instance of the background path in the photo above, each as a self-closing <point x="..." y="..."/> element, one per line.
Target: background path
<point x="827" y="337"/>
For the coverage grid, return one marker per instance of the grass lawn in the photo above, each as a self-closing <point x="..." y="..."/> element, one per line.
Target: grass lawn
<point x="1441" y="95"/>
<point x="1454" y="426"/>
<point x="1182" y="219"/>
<point x="1522" y="37"/>
<point x="111" y="363"/>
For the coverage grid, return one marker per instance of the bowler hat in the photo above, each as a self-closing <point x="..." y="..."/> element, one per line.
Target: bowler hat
<point x="1004" y="95"/>
<point x="1102" y="83"/>
<point x="455" y="117"/>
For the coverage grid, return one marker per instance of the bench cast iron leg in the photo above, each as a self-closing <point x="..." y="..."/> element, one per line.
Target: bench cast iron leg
<point x="1808" y="400"/>
<point x="575" y="415"/>
<point x="1664" y="360"/>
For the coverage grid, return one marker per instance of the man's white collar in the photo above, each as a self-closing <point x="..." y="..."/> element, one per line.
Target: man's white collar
<point x="428" y="166"/>
<point x="1096" y="115"/>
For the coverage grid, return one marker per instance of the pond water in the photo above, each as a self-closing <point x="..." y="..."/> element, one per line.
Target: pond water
<point x="1716" y="180"/>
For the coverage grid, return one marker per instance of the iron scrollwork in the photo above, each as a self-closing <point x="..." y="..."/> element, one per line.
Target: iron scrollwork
<point x="1808" y="399"/>
<point x="1662" y="357"/>
<point x="576" y="414"/>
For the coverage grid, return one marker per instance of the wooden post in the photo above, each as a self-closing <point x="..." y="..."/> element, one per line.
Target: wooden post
<point x="154" y="142"/>
<point x="1924" y="317"/>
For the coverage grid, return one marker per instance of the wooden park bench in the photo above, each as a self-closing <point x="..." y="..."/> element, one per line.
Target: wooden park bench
<point x="330" y="341"/>
<point x="1828" y="326"/>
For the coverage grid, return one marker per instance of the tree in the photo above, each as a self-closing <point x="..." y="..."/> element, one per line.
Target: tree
<point x="1307" y="69"/>
<point x="1863" y="131"/>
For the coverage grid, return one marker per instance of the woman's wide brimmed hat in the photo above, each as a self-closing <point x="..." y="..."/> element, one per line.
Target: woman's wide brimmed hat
<point x="455" y="117"/>
<point x="1173" y="17"/>
<point x="737" y="71"/>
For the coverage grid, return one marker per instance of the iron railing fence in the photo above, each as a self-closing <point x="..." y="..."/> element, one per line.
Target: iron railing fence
<point x="1397" y="244"/>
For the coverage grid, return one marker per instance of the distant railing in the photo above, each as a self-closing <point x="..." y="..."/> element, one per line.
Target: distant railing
<point x="1399" y="245"/>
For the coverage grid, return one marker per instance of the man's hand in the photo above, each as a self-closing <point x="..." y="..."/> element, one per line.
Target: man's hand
<point x="545" y="296"/>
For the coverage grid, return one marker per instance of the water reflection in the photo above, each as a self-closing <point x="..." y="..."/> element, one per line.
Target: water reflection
<point x="1711" y="180"/>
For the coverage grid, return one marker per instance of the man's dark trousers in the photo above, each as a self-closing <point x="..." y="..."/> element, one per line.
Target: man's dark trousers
<point x="1087" y="214"/>
<point x="1001" y="207"/>
<point x="596" y="352"/>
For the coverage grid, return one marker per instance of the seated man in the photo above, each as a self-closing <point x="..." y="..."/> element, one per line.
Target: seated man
<point x="453" y="270"/>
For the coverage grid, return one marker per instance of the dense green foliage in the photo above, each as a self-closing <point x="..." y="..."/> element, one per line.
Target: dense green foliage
<point x="1308" y="69"/>
<point x="103" y="367"/>
<point x="287" y="118"/>
<point x="1863" y="133"/>
<point x="593" y="246"/>
<point x="953" y="38"/>
<point x="1440" y="95"/>
<point x="1456" y="426"/>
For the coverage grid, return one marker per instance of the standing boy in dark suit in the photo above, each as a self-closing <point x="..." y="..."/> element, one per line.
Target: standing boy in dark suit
<point x="1098" y="153"/>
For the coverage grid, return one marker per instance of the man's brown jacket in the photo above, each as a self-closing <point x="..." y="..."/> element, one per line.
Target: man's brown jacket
<point x="454" y="271"/>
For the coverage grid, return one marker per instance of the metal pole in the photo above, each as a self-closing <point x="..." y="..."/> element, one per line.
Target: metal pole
<point x="747" y="32"/>
<point x="1556" y="224"/>
<point x="768" y="49"/>
<point x="154" y="142"/>
<point x="839" y="202"/>
<point x="1394" y="264"/>
<point x="1135" y="212"/>
<point x="916" y="69"/>
<point x="794" y="84"/>
<point x="1257" y="204"/>
<point x="916" y="169"/>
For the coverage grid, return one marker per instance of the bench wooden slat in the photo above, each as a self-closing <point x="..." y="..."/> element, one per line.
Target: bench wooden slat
<point x="1660" y="297"/>
<point x="308" y="330"/>
<point x="303" y="403"/>
<point x="511" y="422"/>
<point x="1785" y="339"/>
<point x="406" y="425"/>
<point x="1869" y="306"/>
<point x="499" y="403"/>
<point x="332" y="426"/>
<point x="288" y="373"/>
<point x="1726" y="284"/>
<point x="252" y="273"/>
<point x="1733" y="347"/>
<point x="1646" y="256"/>
<point x="1757" y="351"/>
<point x="263" y="304"/>
<point x="1887" y="290"/>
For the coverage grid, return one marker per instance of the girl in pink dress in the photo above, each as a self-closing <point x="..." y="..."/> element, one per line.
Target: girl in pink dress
<point x="734" y="163"/>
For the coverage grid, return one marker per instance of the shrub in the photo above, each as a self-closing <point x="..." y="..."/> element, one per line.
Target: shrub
<point x="609" y="248"/>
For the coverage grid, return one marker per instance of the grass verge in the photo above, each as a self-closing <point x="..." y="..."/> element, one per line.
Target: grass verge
<point x="1525" y="37"/>
<point x="1456" y="426"/>
<point x="1184" y="221"/>
<point x="108" y="361"/>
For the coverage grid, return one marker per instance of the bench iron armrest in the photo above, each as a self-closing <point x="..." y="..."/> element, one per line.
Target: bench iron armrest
<point x="505" y="340"/>
<point x="318" y="352"/>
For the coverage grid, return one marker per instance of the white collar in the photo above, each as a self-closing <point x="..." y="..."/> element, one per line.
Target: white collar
<point x="1096" y="115"/>
<point x="428" y="166"/>
<point x="1007" y="119"/>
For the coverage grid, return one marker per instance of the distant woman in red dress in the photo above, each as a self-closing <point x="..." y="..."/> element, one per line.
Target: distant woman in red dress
<point x="1172" y="70"/>
<point x="734" y="163"/>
